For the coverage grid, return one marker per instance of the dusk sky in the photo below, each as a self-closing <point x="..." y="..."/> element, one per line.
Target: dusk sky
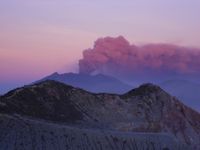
<point x="38" y="37"/>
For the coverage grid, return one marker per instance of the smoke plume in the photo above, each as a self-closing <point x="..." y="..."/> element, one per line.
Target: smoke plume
<point x="119" y="58"/>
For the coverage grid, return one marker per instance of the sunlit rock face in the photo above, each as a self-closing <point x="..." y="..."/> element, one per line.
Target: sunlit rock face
<point x="52" y="115"/>
<point x="150" y="62"/>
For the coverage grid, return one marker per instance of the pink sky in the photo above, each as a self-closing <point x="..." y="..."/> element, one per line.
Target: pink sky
<point x="39" y="37"/>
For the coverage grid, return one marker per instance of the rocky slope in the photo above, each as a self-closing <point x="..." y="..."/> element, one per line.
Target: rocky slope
<point x="187" y="91"/>
<point x="52" y="115"/>
<point x="20" y="133"/>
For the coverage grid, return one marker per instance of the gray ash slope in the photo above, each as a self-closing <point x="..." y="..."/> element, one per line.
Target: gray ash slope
<point x="52" y="115"/>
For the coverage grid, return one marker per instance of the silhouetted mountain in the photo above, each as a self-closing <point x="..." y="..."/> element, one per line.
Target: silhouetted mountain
<point x="188" y="92"/>
<point x="93" y="83"/>
<point x="51" y="115"/>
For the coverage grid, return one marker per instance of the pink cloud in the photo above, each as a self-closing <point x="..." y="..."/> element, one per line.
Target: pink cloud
<point x="117" y="56"/>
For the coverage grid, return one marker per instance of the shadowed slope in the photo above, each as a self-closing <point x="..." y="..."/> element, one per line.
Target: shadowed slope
<point x="47" y="100"/>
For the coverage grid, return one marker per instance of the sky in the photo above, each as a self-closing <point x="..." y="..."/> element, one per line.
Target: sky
<point x="38" y="37"/>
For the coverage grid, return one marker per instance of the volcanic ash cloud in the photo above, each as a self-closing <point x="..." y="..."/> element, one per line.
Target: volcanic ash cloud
<point x="117" y="57"/>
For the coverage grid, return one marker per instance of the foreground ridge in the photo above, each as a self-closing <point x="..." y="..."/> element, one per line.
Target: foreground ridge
<point x="147" y="110"/>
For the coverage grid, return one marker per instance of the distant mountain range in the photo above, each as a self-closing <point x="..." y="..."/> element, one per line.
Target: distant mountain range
<point x="187" y="91"/>
<point x="93" y="83"/>
<point x="51" y="115"/>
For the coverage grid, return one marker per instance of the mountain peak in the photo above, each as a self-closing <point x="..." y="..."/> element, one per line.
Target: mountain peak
<point x="54" y="74"/>
<point x="149" y="87"/>
<point x="98" y="83"/>
<point x="144" y="89"/>
<point x="50" y="84"/>
<point x="47" y="100"/>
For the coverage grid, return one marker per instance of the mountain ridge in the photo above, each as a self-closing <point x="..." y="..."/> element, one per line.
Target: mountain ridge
<point x="98" y="83"/>
<point x="187" y="91"/>
<point x="147" y="109"/>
